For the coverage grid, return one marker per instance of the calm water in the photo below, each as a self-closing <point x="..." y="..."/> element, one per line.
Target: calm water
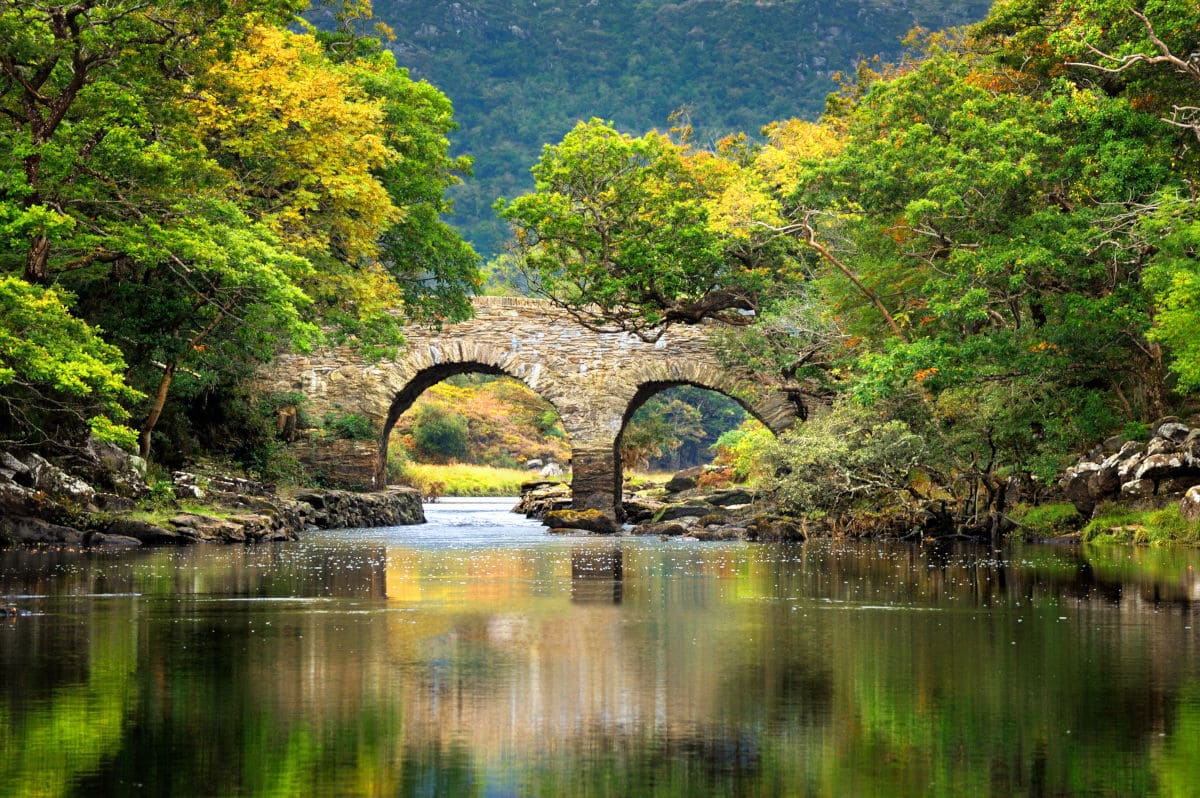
<point x="478" y="656"/>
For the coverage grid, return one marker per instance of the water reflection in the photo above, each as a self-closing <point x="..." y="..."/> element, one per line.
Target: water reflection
<point x="597" y="574"/>
<point x="433" y="661"/>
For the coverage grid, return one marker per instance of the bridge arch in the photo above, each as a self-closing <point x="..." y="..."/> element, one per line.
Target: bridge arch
<point x="592" y="379"/>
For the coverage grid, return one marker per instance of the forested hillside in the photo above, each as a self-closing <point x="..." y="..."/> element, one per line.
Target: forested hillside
<point x="520" y="74"/>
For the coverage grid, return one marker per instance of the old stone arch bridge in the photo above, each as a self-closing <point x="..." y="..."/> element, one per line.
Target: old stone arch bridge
<point x="596" y="381"/>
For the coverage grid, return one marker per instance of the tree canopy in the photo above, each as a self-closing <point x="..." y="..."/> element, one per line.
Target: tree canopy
<point x="212" y="186"/>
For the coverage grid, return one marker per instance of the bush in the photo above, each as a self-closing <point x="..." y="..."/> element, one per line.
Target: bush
<point x="744" y="449"/>
<point x="844" y="459"/>
<point x="350" y="427"/>
<point x="439" y="435"/>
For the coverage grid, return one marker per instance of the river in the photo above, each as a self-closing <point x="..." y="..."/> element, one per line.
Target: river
<point x="477" y="655"/>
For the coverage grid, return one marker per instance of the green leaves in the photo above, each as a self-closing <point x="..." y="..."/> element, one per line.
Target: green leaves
<point x="624" y="232"/>
<point x="55" y="370"/>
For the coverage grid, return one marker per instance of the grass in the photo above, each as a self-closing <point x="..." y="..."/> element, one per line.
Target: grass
<point x="466" y="480"/>
<point x="1112" y="523"/>
<point x="1048" y="520"/>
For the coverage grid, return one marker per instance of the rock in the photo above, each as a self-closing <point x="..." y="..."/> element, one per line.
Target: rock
<point x="729" y="497"/>
<point x="1174" y="431"/>
<point x="719" y="532"/>
<point x="1189" y="505"/>
<point x="539" y="498"/>
<point x="1104" y="482"/>
<point x="112" y="503"/>
<point x="1161" y="446"/>
<point x="774" y="528"/>
<point x="97" y="540"/>
<point x="1076" y="486"/>
<point x="1177" y="485"/>
<point x="147" y="533"/>
<point x="639" y="510"/>
<point x="588" y="520"/>
<point x="116" y="470"/>
<point x="1113" y="444"/>
<point x="687" y="509"/>
<point x="669" y="529"/>
<point x="57" y="484"/>
<point x="18" y="468"/>
<point x="1165" y="466"/>
<point x="27" y="531"/>
<point x="551" y="469"/>
<point x="685" y="480"/>
<point x="534" y="464"/>
<point x="1136" y="489"/>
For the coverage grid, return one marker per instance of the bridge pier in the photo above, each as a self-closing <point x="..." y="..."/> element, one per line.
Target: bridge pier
<point x="595" y="482"/>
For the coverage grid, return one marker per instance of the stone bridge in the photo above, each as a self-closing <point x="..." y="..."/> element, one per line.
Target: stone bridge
<point x="596" y="381"/>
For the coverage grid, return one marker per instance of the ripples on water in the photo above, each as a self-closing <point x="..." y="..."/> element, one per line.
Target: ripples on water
<point x="477" y="654"/>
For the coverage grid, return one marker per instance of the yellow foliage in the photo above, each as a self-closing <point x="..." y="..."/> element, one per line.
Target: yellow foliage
<point x="302" y="140"/>
<point x="793" y="147"/>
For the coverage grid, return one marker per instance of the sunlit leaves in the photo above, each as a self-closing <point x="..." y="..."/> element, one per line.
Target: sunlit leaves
<point x="52" y="363"/>
<point x="639" y="231"/>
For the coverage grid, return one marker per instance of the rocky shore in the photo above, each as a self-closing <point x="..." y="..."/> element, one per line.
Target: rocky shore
<point x="1142" y="474"/>
<point x="678" y="509"/>
<point x="96" y="499"/>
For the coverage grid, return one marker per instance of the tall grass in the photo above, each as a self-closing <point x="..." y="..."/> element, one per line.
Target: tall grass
<point x="1112" y="523"/>
<point x="466" y="480"/>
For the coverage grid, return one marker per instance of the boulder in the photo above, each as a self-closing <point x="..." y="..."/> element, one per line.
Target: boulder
<point x="1136" y="489"/>
<point x="685" y="480"/>
<point x="774" y="528"/>
<point x="57" y="484"/>
<point x="1076" y="486"/>
<point x="97" y="540"/>
<point x="1160" y="467"/>
<point x="587" y="520"/>
<point x="147" y="533"/>
<point x="639" y="510"/>
<point x="1104" y="482"/>
<point x="27" y="531"/>
<point x="1161" y="446"/>
<point x="1174" y="431"/>
<point x="693" y="509"/>
<point x="1189" y="505"/>
<point x="730" y="497"/>
<point x="668" y="529"/>
<point x="719" y="532"/>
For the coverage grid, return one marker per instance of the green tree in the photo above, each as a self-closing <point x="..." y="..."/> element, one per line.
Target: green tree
<point x="629" y="233"/>
<point x="56" y="374"/>
<point x="212" y="187"/>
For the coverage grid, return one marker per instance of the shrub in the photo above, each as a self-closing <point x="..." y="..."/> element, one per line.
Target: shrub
<point x="439" y="435"/>
<point x="350" y="427"/>
<point x="844" y="459"/>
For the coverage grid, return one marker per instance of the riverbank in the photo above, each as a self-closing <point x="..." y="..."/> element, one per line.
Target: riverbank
<point x="100" y="498"/>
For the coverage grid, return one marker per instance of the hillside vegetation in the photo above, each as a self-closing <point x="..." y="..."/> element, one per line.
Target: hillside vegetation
<point x="521" y="74"/>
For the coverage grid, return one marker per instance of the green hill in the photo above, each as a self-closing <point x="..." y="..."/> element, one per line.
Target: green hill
<point x="520" y="74"/>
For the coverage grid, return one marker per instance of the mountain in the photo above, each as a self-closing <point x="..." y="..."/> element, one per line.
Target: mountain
<point x="521" y="74"/>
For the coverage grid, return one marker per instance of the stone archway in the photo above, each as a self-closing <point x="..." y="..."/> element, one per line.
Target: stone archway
<point x="591" y="378"/>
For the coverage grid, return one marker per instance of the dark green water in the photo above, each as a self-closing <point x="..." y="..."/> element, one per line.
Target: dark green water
<point x="477" y="656"/>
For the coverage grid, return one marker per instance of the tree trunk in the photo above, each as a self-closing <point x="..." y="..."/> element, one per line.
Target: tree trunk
<point x="37" y="261"/>
<point x="160" y="400"/>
